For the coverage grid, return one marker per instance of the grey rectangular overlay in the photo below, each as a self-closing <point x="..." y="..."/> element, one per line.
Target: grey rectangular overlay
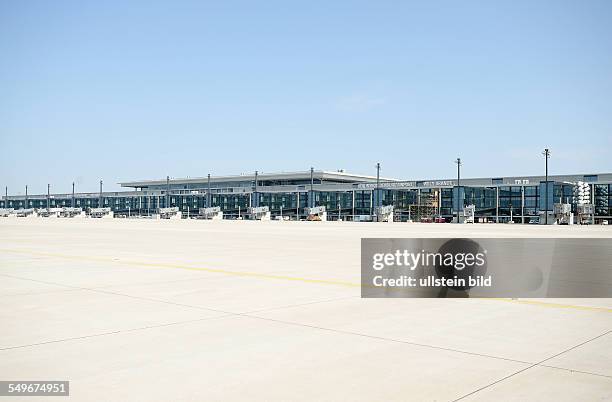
<point x="481" y="267"/>
<point x="34" y="388"/>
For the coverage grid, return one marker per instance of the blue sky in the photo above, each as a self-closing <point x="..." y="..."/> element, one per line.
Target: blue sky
<point x="121" y="91"/>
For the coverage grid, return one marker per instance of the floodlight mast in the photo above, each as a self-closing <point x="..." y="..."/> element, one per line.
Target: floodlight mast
<point x="208" y="196"/>
<point x="458" y="163"/>
<point x="378" y="200"/>
<point x="546" y="154"/>
<point x="167" y="192"/>
<point x="311" y="202"/>
<point x="254" y="196"/>
<point x="311" y="179"/>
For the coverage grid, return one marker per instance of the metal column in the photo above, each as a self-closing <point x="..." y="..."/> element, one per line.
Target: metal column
<point x="592" y="201"/>
<point x="311" y="197"/>
<point x="546" y="154"/>
<point x="311" y="178"/>
<point x="167" y="201"/>
<point x="497" y="204"/>
<point x="254" y="196"/>
<point x="378" y="200"/>
<point x="101" y="201"/>
<point x="458" y="162"/>
<point x="419" y="203"/>
<point x="209" y="195"/>
<point x="523" y="204"/>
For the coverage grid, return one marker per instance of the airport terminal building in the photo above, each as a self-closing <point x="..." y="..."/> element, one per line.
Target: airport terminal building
<point x="344" y="195"/>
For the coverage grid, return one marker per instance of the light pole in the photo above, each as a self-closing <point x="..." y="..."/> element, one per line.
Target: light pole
<point x="311" y="178"/>
<point x="101" y="201"/>
<point x="167" y="192"/>
<point x="72" y="194"/>
<point x="378" y="200"/>
<point x="458" y="162"/>
<point x="208" y="197"/>
<point x="48" y="196"/>
<point x="546" y="154"/>
<point x="255" y="201"/>
<point x="311" y="202"/>
<point x="26" y="198"/>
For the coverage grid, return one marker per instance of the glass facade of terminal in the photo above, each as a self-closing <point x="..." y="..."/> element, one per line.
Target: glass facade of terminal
<point x="496" y="202"/>
<point x="603" y="199"/>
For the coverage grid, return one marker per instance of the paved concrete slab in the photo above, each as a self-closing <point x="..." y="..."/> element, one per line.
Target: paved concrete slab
<point x="527" y="333"/>
<point x="192" y="310"/>
<point x="12" y="286"/>
<point x="595" y="357"/>
<point x="546" y="385"/>
<point x="49" y="317"/>
<point x="85" y="272"/>
<point x="231" y="294"/>
<point x="242" y="358"/>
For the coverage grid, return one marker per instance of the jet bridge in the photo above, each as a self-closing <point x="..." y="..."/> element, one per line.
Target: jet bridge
<point x="49" y="213"/>
<point x="70" y="212"/>
<point x="316" y="213"/>
<point x="170" y="213"/>
<point x="101" y="213"/>
<point x="563" y="214"/>
<point x="26" y="213"/>
<point x="586" y="213"/>
<point x="5" y="212"/>
<point x="468" y="214"/>
<point x="384" y="213"/>
<point x="213" y="213"/>
<point x="259" y="213"/>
